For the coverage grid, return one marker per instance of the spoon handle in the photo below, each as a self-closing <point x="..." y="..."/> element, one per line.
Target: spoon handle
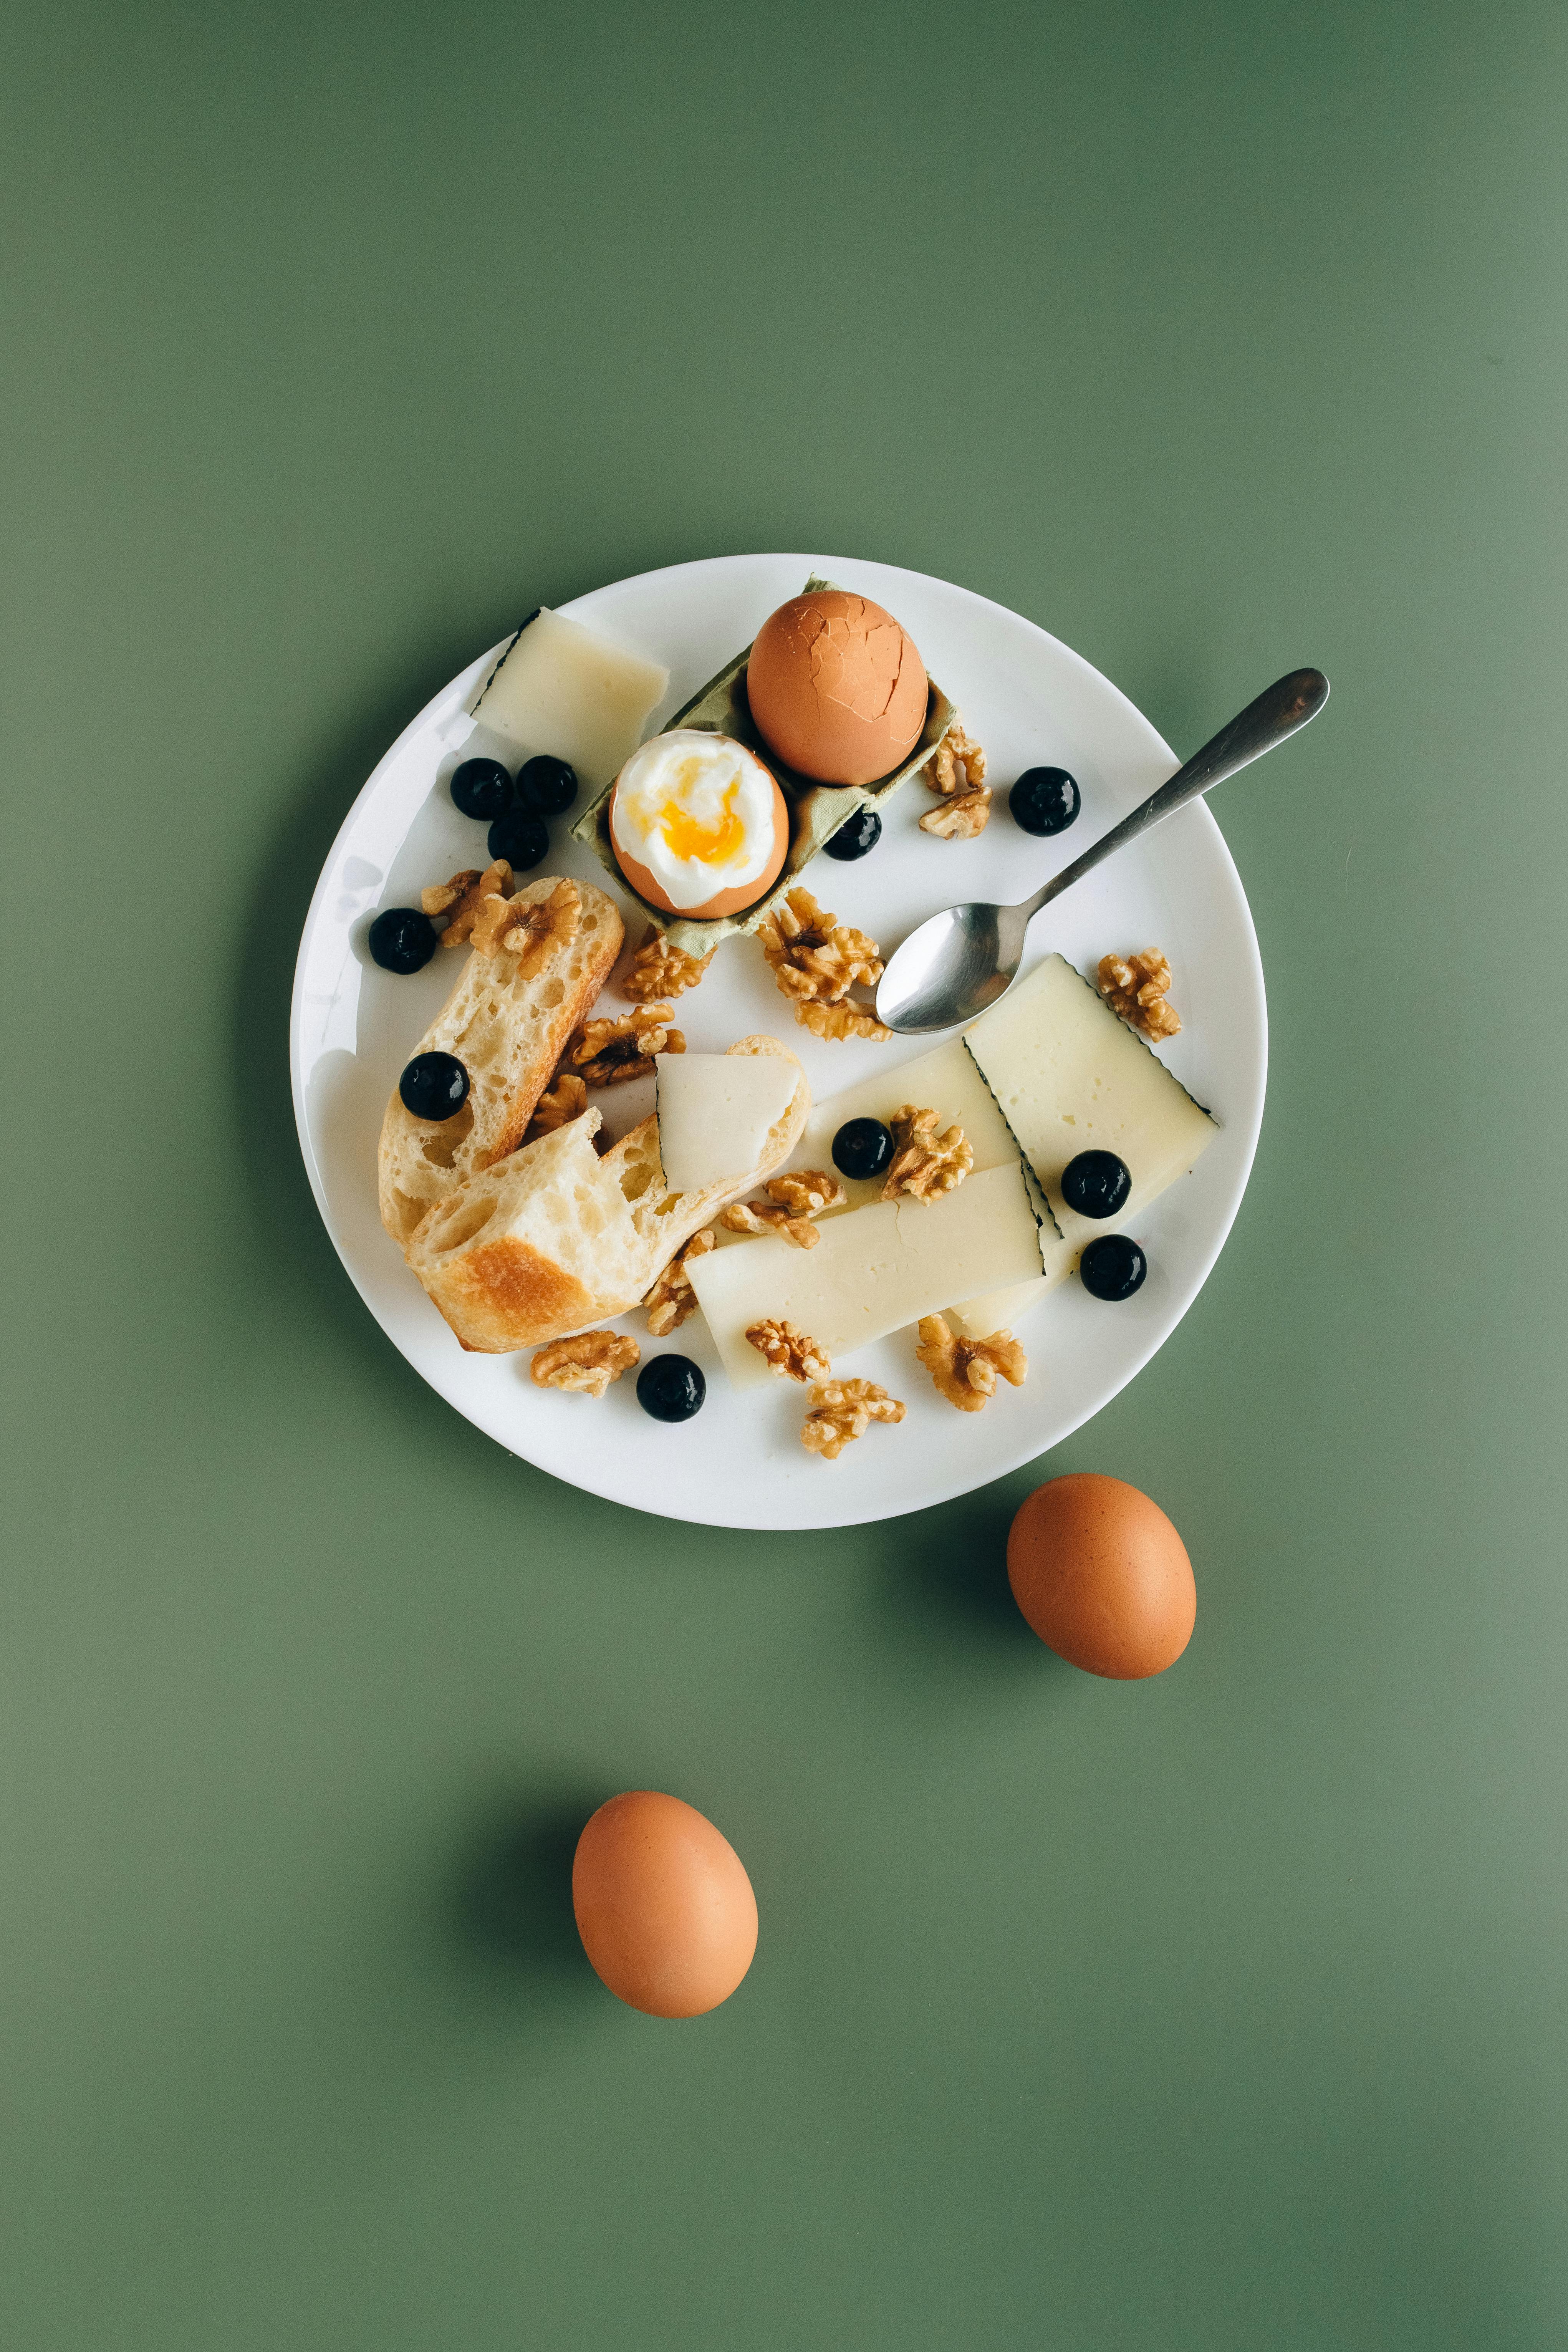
<point x="1277" y="712"/>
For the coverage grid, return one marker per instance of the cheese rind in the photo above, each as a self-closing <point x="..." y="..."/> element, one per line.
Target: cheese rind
<point x="715" y="1111"/>
<point x="561" y="687"/>
<point x="1068" y="1077"/>
<point x="873" y="1271"/>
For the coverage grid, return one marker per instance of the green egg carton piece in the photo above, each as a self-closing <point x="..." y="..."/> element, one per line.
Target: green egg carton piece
<point x="815" y="811"/>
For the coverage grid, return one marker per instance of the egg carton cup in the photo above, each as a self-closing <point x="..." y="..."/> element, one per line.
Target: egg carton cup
<point x="815" y="811"/>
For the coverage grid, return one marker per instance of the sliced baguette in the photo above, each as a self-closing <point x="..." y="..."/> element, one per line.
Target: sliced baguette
<point x="554" y="1237"/>
<point x="509" y="1034"/>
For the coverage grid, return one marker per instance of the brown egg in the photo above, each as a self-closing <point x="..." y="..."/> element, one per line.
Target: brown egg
<point x="836" y="688"/>
<point x="1102" y="1576"/>
<point x="665" y="1910"/>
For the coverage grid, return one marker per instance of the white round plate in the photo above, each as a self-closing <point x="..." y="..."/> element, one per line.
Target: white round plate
<point x="1030" y="701"/>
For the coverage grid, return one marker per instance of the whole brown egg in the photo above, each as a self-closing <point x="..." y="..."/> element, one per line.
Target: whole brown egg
<point x="1102" y="1576"/>
<point x="664" y="1907"/>
<point x="836" y="688"/>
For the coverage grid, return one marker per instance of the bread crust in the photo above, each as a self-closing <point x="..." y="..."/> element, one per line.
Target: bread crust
<point x="510" y="1285"/>
<point x="509" y="1034"/>
<point x="554" y="1238"/>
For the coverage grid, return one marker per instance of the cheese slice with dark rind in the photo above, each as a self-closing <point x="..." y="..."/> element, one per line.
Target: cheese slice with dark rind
<point x="1067" y="1074"/>
<point x="873" y="1270"/>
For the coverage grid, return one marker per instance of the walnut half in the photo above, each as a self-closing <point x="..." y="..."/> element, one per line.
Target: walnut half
<point x="966" y="1370"/>
<point x="956" y="765"/>
<point x="961" y="818"/>
<point x="956" y="770"/>
<point x="792" y="1202"/>
<point x="529" y="929"/>
<point x="925" y="1163"/>
<point x="462" y="898"/>
<point x="789" y="1352"/>
<point x="565" y="1100"/>
<point x="660" y="969"/>
<point x="842" y="1410"/>
<point x="608" y="1053"/>
<point x="672" y="1299"/>
<point x="588" y="1363"/>
<point x="816" y="960"/>
<point x="1137" y="988"/>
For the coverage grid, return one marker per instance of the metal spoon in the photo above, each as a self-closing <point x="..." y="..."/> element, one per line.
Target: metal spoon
<point x="960" y="962"/>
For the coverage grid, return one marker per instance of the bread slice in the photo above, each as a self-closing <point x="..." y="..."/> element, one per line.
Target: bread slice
<point x="509" y="1034"/>
<point x="554" y="1237"/>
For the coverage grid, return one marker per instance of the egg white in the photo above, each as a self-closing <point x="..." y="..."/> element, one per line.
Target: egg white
<point x="717" y="788"/>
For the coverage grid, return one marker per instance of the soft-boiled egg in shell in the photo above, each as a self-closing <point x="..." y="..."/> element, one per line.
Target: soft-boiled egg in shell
<point x="698" y="826"/>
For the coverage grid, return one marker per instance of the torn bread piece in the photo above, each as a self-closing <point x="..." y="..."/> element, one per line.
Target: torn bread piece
<point x="554" y="1237"/>
<point x="506" y="1021"/>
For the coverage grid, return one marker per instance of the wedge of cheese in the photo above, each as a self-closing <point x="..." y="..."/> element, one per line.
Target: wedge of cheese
<point x="873" y="1269"/>
<point x="561" y="687"/>
<point x="1068" y="1077"/>
<point x="715" y="1113"/>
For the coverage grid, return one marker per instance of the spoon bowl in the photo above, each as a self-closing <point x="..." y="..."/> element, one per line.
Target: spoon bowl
<point x="960" y="962"/>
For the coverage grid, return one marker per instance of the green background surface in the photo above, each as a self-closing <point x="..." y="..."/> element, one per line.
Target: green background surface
<point x="1220" y="2013"/>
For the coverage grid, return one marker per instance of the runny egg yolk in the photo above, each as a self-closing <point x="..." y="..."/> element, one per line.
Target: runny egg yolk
<point x="687" y="837"/>
<point x="698" y="823"/>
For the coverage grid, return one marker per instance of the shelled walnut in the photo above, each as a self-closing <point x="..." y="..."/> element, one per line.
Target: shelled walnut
<point x="1137" y="988"/>
<point x="608" y="1053"/>
<point x="956" y="765"/>
<point x="925" y="1163"/>
<point x="956" y="770"/>
<point x="528" y="928"/>
<point x="588" y="1363"/>
<point x="842" y="1410"/>
<point x="790" y="1353"/>
<point x="461" y="898"/>
<point x="672" y="1299"/>
<point x="658" y="969"/>
<point x="565" y="1100"/>
<point x="966" y="1370"/>
<point x="816" y="960"/>
<point x="792" y="1202"/>
<point x="960" y="819"/>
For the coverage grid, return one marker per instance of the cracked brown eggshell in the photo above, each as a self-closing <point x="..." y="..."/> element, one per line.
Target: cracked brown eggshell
<point x="836" y="688"/>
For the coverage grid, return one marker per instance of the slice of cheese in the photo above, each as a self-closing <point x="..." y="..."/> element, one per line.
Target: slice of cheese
<point x="561" y="687"/>
<point x="715" y="1111"/>
<point x="1070" y="1076"/>
<point x="947" y="1081"/>
<point x="873" y="1269"/>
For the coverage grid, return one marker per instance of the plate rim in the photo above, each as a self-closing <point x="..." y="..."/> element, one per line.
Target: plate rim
<point x="453" y="693"/>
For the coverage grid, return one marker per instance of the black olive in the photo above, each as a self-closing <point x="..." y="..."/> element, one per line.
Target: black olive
<point x="546" y="785"/>
<point x="671" y="1388"/>
<point x="1112" y="1267"/>
<point x="856" y="836"/>
<point x="483" y="789"/>
<point x="862" y="1148"/>
<point x="402" y="940"/>
<point x="519" y="836"/>
<point x="1096" y="1184"/>
<point x="433" y="1086"/>
<point x="1044" y="799"/>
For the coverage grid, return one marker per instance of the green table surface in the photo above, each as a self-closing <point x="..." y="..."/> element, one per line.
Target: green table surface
<point x="1224" y="2011"/>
